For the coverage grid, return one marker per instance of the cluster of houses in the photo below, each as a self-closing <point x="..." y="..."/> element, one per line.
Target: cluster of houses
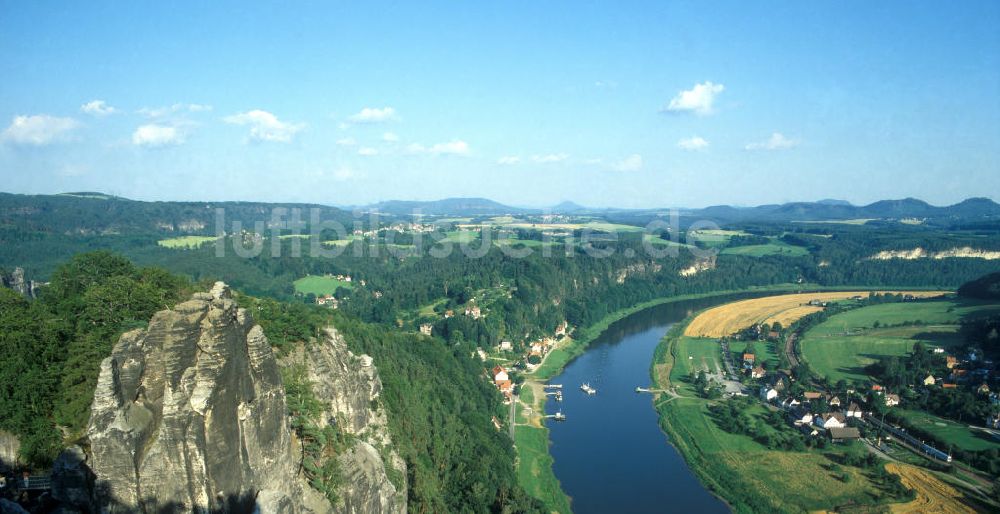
<point x="470" y="310"/>
<point x="501" y="379"/>
<point x="328" y="301"/>
<point x="803" y="411"/>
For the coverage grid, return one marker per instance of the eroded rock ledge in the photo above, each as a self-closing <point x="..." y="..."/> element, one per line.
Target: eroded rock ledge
<point x="189" y="415"/>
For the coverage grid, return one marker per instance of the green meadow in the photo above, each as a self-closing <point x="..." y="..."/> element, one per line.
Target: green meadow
<point x="842" y="346"/>
<point x="318" y="285"/>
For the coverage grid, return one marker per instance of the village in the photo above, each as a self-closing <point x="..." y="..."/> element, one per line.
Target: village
<point x="848" y="413"/>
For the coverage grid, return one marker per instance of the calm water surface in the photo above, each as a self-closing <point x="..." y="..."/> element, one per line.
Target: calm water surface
<point x="610" y="454"/>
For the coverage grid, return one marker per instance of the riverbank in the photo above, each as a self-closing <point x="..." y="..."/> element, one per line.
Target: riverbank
<point x="748" y="475"/>
<point x="535" y="466"/>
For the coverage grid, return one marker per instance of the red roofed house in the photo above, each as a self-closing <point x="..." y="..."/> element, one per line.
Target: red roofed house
<point x="748" y="358"/>
<point x="499" y="375"/>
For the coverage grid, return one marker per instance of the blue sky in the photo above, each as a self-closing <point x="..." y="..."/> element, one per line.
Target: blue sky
<point x="631" y="104"/>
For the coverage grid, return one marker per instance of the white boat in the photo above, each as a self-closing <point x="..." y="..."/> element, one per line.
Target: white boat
<point x="587" y="389"/>
<point x="559" y="416"/>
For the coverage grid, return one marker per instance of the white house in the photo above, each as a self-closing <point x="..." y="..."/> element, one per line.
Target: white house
<point x="505" y="346"/>
<point x="831" y="420"/>
<point x="891" y="400"/>
<point x="853" y="411"/>
<point x="790" y="402"/>
<point x="929" y="380"/>
<point x="803" y="418"/>
<point x="768" y="393"/>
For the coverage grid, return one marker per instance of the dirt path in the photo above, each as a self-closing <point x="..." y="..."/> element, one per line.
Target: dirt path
<point x="933" y="495"/>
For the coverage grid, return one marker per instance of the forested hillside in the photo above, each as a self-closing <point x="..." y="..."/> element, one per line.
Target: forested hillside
<point x="440" y="408"/>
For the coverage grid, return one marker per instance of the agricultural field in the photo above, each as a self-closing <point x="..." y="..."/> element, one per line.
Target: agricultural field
<point x="775" y="247"/>
<point x="712" y="238"/>
<point x="732" y="317"/>
<point x="842" y="346"/>
<point x="952" y="432"/>
<point x="318" y="285"/>
<point x="344" y="242"/>
<point x="186" y="242"/>
<point x="736" y="466"/>
<point x="933" y="495"/>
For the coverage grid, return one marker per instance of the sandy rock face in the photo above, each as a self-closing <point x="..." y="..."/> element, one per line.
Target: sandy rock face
<point x="348" y="386"/>
<point x="189" y="415"/>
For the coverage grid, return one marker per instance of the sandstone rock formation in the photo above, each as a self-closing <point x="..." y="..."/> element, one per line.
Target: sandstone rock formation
<point x="348" y="386"/>
<point x="189" y="415"/>
<point x="16" y="281"/>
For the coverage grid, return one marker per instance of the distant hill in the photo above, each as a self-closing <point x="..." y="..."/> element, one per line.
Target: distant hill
<point x="93" y="213"/>
<point x="568" y="207"/>
<point x="831" y="201"/>
<point x="825" y="210"/>
<point x="447" y="207"/>
<point x="984" y="288"/>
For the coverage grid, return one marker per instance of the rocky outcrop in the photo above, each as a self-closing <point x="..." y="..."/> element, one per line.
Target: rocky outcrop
<point x="189" y="415"/>
<point x="920" y="253"/>
<point x="10" y="448"/>
<point x="16" y="281"/>
<point x="349" y="389"/>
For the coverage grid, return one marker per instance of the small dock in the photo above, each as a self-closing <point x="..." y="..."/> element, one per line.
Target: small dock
<point x="559" y="416"/>
<point x="552" y="386"/>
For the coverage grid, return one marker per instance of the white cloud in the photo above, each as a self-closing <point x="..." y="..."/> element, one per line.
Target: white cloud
<point x="509" y="159"/>
<point x="98" y="108"/>
<point x="38" y="129"/>
<point x="156" y="135"/>
<point x="606" y="84"/>
<point x="390" y="137"/>
<point x="777" y="141"/>
<point x="159" y="112"/>
<point x="456" y="147"/>
<point x="265" y="126"/>
<point x="550" y="158"/>
<point x="367" y="151"/>
<point x="693" y="143"/>
<point x="374" y="115"/>
<point x="630" y="163"/>
<point x="346" y="141"/>
<point x="698" y="99"/>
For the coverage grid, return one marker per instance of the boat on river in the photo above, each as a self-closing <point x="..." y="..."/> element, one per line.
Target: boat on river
<point x="587" y="389"/>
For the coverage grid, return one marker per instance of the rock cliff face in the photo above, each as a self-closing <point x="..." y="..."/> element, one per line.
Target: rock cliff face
<point x="16" y="281"/>
<point x="348" y="387"/>
<point x="189" y="415"/>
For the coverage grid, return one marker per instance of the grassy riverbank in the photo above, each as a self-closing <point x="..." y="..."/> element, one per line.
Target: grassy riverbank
<point x="535" y="465"/>
<point x="746" y="474"/>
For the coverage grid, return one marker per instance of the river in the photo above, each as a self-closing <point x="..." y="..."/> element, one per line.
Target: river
<point x="610" y="454"/>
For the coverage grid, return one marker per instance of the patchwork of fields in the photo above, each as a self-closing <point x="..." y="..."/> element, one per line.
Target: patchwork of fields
<point x="736" y="465"/>
<point x="731" y="318"/>
<point x="842" y="346"/>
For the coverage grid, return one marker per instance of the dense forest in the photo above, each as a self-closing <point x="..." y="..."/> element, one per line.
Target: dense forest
<point x="440" y="409"/>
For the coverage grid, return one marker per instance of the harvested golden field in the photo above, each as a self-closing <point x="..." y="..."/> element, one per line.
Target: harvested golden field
<point x="730" y="318"/>
<point x="933" y="495"/>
